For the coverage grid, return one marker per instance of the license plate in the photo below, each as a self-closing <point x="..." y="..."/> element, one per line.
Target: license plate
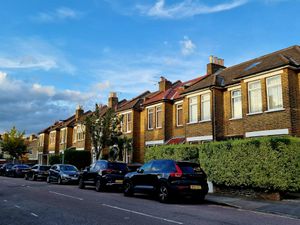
<point x="196" y="187"/>
<point x="119" y="181"/>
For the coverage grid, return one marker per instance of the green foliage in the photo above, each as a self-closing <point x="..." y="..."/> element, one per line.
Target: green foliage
<point x="270" y="163"/>
<point x="103" y="128"/>
<point x="13" y="143"/>
<point x="80" y="159"/>
<point x="55" y="159"/>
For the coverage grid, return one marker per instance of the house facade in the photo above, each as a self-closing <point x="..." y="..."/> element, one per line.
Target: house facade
<point x="256" y="98"/>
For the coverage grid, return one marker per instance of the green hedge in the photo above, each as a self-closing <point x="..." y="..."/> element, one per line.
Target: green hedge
<point x="55" y="159"/>
<point x="80" y="159"/>
<point x="271" y="163"/>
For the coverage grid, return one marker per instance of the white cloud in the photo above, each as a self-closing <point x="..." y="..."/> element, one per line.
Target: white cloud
<point x="59" y="14"/>
<point x="33" y="53"/>
<point x="33" y="106"/>
<point x="187" y="46"/>
<point x="186" y="8"/>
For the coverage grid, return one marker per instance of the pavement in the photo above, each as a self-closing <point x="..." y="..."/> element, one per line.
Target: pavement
<point x="36" y="202"/>
<point x="286" y="207"/>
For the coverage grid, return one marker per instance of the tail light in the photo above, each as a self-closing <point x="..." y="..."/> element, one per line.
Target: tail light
<point x="178" y="172"/>
<point x="107" y="171"/>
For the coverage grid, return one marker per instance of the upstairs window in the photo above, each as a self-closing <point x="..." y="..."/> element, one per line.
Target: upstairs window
<point x="63" y="136"/>
<point x="52" y="138"/>
<point x="236" y="104"/>
<point x="205" y="107"/>
<point x="254" y="97"/>
<point x="80" y="132"/>
<point x="179" y="115"/>
<point x="41" y="140"/>
<point x="150" y="118"/>
<point x="158" y="117"/>
<point x="129" y="122"/>
<point x="193" y="110"/>
<point x="274" y="93"/>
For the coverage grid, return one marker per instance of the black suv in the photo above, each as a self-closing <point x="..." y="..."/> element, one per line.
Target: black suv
<point x="102" y="174"/>
<point x="5" y="168"/>
<point x="37" y="172"/>
<point x="165" y="178"/>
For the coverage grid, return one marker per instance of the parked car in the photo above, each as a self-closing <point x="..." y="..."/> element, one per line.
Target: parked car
<point x="132" y="167"/>
<point x="63" y="173"/>
<point x="103" y="174"/>
<point x="17" y="170"/>
<point x="37" y="172"/>
<point x="4" y="168"/>
<point x="167" y="179"/>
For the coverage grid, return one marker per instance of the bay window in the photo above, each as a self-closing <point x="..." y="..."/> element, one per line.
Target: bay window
<point x="150" y="119"/>
<point x="236" y="104"/>
<point x="205" y="107"/>
<point x="158" y="117"/>
<point x="179" y="115"/>
<point x="274" y="93"/>
<point x="193" y="109"/>
<point x="254" y="97"/>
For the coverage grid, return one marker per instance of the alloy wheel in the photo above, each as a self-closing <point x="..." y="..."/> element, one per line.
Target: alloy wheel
<point x="163" y="193"/>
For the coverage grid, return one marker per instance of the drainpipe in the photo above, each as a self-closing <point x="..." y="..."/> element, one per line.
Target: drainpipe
<point x="213" y="113"/>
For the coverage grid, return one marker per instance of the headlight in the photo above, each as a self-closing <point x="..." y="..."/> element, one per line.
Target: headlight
<point x="65" y="175"/>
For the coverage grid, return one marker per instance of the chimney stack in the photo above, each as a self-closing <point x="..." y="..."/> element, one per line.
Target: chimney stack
<point x="164" y="84"/>
<point x="79" y="112"/>
<point x="113" y="100"/>
<point x="214" y="65"/>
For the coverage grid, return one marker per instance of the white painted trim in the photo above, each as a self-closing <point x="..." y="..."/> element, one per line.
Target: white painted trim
<point x="263" y="75"/>
<point x="178" y="102"/>
<point x="51" y="152"/>
<point x="79" y="149"/>
<point x="61" y="151"/>
<point x="275" y="110"/>
<point x="157" y="142"/>
<point x="267" y="132"/>
<point x="198" y="93"/>
<point x="152" y="106"/>
<point x="267" y="88"/>
<point x="234" y="87"/>
<point x="125" y="112"/>
<point x="200" y="138"/>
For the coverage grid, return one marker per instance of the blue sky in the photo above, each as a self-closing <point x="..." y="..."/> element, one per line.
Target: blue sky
<point x="57" y="54"/>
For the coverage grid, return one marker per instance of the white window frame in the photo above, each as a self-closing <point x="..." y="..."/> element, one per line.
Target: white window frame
<point x="63" y="135"/>
<point x="249" y="100"/>
<point x="179" y="107"/>
<point x="52" y="136"/>
<point x="41" y="140"/>
<point x="190" y="111"/>
<point x="267" y="87"/>
<point x="158" y="109"/>
<point x="202" y="107"/>
<point x="127" y="122"/>
<point x="232" y="104"/>
<point x="148" y="116"/>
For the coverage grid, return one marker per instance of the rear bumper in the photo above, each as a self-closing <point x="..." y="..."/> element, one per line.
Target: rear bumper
<point x="186" y="190"/>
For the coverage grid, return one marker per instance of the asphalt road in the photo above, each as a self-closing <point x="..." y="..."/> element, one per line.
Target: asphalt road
<point x="36" y="202"/>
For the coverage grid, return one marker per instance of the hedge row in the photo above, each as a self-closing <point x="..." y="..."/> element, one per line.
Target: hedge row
<point x="271" y="163"/>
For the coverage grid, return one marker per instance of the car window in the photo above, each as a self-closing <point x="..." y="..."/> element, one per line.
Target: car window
<point x="146" y="167"/>
<point x="9" y="166"/>
<point x="189" y="167"/>
<point x="54" y="167"/>
<point x="34" y="167"/>
<point x="156" y="165"/>
<point x="68" y="168"/>
<point x="97" y="167"/>
<point x="117" y="166"/>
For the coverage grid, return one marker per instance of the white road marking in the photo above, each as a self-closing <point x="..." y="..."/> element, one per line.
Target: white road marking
<point x="142" y="214"/>
<point x="17" y="206"/>
<point x="33" y="214"/>
<point x="57" y="193"/>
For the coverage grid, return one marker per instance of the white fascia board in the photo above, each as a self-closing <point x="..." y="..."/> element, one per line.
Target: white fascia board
<point x="267" y="133"/>
<point x="200" y="138"/>
<point x="157" y="142"/>
<point x="198" y="93"/>
<point x="125" y="112"/>
<point x="234" y="87"/>
<point x="178" y="102"/>
<point x="152" y="106"/>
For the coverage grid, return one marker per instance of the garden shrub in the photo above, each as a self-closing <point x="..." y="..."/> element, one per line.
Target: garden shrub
<point x="55" y="159"/>
<point x="80" y="159"/>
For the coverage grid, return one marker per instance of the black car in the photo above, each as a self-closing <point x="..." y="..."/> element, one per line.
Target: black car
<point x="63" y="173"/>
<point x="166" y="179"/>
<point x="18" y="170"/>
<point x="37" y="172"/>
<point x="4" y="168"/>
<point x="103" y="174"/>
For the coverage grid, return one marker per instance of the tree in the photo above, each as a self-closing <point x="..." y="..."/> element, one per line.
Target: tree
<point x="14" y="144"/>
<point x="103" y="127"/>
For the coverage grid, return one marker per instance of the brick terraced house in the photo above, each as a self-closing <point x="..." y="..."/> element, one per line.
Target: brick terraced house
<point x="259" y="97"/>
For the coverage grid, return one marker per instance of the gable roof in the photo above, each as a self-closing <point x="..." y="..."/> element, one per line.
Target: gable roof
<point x="231" y="75"/>
<point x="173" y="93"/>
<point x="134" y="103"/>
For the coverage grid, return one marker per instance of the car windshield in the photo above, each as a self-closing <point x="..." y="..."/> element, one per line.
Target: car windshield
<point x="117" y="166"/>
<point x="68" y="168"/>
<point x="9" y="166"/>
<point x="189" y="167"/>
<point x="22" y="166"/>
<point x="44" y="168"/>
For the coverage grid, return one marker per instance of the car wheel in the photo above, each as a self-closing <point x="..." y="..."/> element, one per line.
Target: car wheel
<point x="81" y="184"/>
<point x="163" y="193"/>
<point x="128" y="189"/>
<point x="99" y="185"/>
<point x="59" y="180"/>
<point x="48" y="180"/>
<point x="33" y="177"/>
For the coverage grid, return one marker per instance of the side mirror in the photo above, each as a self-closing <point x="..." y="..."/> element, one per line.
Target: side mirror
<point x="139" y="170"/>
<point x="87" y="168"/>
